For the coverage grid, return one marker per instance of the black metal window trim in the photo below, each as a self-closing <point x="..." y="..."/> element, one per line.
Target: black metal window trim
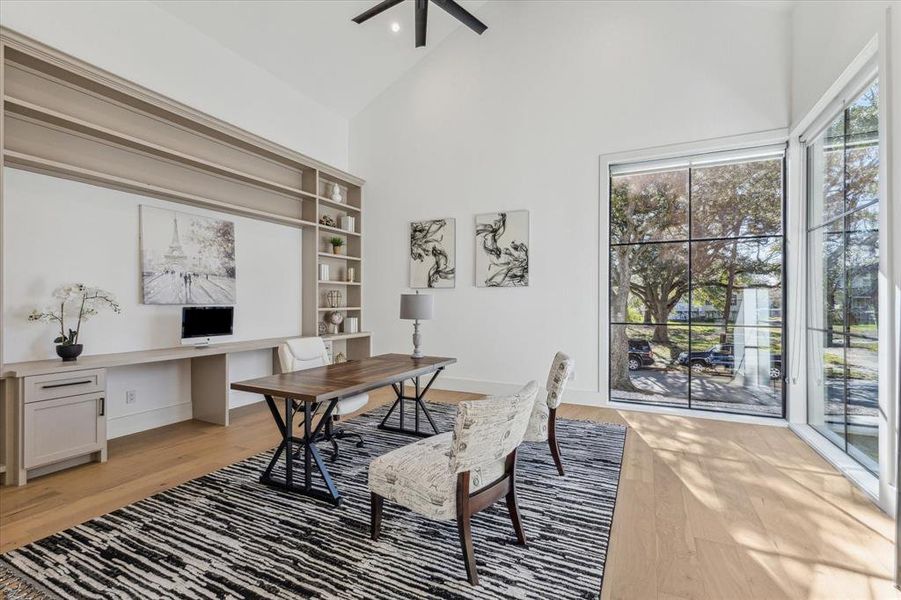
<point x="845" y="332"/>
<point x="782" y="327"/>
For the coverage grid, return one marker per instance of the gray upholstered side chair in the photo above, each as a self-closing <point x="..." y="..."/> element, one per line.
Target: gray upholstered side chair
<point x="543" y="422"/>
<point x="459" y="473"/>
<point x="298" y="354"/>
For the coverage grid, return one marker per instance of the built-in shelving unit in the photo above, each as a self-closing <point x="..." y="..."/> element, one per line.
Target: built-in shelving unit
<point x="336" y="199"/>
<point x="67" y="118"/>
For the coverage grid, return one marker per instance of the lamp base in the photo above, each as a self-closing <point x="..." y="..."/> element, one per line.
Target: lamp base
<point x="417" y="341"/>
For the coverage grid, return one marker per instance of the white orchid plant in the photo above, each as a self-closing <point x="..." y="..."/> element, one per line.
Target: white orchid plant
<point x="71" y="299"/>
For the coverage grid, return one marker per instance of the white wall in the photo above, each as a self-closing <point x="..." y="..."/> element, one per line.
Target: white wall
<point x="516" y="119"/>
<point x="58" y="231"/>
<point x="826" y="36"/>
<point x="143" y="43"/>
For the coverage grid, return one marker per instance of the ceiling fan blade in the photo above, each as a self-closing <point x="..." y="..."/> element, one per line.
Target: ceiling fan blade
<point x="422" y="16"/>
<point x="378" y="8"/>
<point x="462" y="15"/>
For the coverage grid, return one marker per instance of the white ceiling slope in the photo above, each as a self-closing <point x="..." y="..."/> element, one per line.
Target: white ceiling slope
<point x="313" y="45"/>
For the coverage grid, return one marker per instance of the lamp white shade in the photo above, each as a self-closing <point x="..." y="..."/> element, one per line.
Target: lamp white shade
<point x="416" y="306"/>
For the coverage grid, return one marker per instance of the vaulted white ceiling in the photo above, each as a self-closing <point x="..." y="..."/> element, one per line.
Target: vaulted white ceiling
<point x="315" y="47"/>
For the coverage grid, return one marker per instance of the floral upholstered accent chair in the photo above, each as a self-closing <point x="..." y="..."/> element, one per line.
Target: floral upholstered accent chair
<point x="543" y="422"/>
<point x="456" y="474"/>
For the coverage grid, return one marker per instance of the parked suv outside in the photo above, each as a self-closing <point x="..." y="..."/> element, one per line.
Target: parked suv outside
<point x="640" y="354"/>
<point x="722" y="356"/>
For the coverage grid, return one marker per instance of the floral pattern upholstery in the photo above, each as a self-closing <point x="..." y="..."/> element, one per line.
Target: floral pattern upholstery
<point x="423" y="476"/>
<point x="562" y="370"/>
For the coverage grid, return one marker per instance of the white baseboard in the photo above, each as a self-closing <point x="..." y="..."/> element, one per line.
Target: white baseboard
<point x="497" y="388"/>
<point x="238" y="399"/>
<point x="149" y="419"/>
<point x="594" y="398"/>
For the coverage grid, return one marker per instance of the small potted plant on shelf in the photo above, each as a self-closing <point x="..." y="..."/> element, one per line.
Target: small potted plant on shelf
<point x="69" y="300"/>
<point x="336" y="243"/>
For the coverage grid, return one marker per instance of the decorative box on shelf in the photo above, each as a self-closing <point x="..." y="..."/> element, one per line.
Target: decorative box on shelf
<point x="351" y="325"/>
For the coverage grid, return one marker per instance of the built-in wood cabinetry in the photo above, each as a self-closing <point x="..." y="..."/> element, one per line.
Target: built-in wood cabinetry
<point x="69" y="119"/>
<point x="62" y="419"/>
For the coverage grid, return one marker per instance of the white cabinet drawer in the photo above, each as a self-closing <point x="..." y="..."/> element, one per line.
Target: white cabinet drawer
<point x="63" y="428"/>
<point x="58" y="385"/>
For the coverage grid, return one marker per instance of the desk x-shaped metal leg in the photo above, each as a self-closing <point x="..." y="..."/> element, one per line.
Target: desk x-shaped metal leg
<point x="310" y="452"/>
<point x="418" y="405"/>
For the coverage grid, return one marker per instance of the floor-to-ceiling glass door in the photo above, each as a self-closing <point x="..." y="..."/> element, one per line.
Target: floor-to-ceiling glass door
<point x="843" y="279"/>
<point x="697" y="282"/>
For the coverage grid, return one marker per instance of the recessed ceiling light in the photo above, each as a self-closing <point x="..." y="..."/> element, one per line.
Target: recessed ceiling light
<point x="395" y="27"/>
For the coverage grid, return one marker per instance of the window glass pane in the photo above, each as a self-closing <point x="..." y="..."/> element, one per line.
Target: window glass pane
<point x="738" y="199"/>
<point x="863" y="114"/>
<point x="843" y="283"/>
<point x="648" y="282"/>
<point x="736" y="208"/>
<point x="649" y="207"/>
<point x="862" y="265"/>
<point x="643" y="367"/>
<point x="737" y="282"/>
<point x="826" y="384"/>
<point x="826" y="279"/>
<point x="736" y="369"/>
<point x="826" y="174"/>
<point x="862" y="174"/>
<point x="863" y="401"/>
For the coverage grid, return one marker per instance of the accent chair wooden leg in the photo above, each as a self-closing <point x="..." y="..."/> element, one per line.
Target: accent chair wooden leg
<point x="552" y="440"/>
<point x="464" y="527"/>
<point x="512" y="507"/>
<point x="375" y="522"/>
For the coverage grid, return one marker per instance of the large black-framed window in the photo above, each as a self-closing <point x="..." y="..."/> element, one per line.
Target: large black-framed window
<point x="843" y="278"/>
<point x="697" y="282"/>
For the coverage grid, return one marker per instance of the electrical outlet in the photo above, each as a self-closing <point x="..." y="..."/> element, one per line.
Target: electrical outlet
<point x="131" y="396"/>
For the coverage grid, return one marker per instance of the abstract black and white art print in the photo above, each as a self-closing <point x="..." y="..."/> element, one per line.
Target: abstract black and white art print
<point x="502" y="249"/>
<point x="432" y="253"/>
<point x="186" y="259"/>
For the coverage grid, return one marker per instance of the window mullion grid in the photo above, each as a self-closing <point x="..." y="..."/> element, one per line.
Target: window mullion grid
<point x="846" y="340"/>
<point x="691" y="286"/>
<point x="690" y="241"/>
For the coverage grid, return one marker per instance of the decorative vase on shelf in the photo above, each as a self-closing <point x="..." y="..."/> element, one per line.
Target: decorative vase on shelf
<point x="336" y="193"/>
<point x="334" y="319"/>
<point x="69" y="352"/>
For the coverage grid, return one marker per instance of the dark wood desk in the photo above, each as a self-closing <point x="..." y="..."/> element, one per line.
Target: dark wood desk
<point x="308" y="389"/>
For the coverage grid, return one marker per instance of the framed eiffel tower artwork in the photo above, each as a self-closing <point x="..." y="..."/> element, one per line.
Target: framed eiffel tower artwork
<point x="185" y="258"/>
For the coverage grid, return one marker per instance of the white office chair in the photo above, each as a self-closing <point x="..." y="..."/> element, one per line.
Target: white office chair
<point x="299" y="354"/>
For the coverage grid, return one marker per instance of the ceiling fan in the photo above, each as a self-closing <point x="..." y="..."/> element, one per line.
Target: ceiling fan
<point x="422" y="12"/>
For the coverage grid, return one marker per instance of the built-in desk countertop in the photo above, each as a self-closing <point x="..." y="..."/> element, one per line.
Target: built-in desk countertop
<point x="84" y="380"/>
<point x="121" y="359"/>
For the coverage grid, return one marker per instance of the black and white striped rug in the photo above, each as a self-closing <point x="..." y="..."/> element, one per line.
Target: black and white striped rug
<point x="226" y="535"/>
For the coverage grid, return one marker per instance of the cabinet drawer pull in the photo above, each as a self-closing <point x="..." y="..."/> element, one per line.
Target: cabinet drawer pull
<point x="102" y="405"/>
<point x="66" y="384"/>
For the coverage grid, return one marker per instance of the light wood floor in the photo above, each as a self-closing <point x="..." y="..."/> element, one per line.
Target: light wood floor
<point x="706" y="509"/>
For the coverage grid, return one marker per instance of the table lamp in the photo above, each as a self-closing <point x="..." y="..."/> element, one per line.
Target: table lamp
<point x="416" y="307"/>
